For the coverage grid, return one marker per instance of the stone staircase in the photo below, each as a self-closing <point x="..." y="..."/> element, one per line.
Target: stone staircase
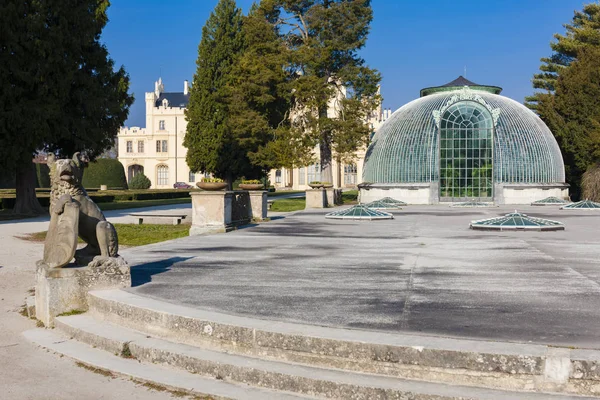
<point x="230" y="357"/>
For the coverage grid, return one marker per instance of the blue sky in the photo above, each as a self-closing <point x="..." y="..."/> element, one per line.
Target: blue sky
<point x="414" y="44"/>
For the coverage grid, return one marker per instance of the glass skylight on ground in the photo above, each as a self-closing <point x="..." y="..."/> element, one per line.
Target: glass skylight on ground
<point x="582" y="205"/>
<point x="379" y="204"/>
<point x="359" y="212"/>
<point x="517" y="221"/>
<point x="549" y="201"/>
<point x="472" y="203"/>
<point x="389" y="200"/>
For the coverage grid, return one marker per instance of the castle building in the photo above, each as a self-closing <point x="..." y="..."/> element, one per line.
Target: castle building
<point x="157" y="150"/>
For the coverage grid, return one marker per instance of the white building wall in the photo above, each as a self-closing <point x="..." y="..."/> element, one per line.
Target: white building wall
<point x="172" y="130"/>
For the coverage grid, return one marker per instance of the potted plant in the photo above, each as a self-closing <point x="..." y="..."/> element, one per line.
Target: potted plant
<point x="327" y="185"/>
<point x="315" y="184"/>
<point x="212" y="184"/>
<point x="251" y="184"/>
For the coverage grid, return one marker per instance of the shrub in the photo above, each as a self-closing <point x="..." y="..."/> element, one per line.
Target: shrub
<point x="42" y="172"/>
<point x="140" y="181"/>
<point x="105" y="171"/>
<point x="212" y="180"/>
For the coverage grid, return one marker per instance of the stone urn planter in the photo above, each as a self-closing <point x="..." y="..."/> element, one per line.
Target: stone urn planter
<point x="251" y="186"/>
<point x="212" y="185"/>
<point x="316" y="185"/>
<point x="328" y="185"/>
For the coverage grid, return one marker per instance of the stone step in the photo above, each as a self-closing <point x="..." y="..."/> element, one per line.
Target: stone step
<point x="268" y="374"/>
<point x="166" y="378"/>
<point x="506" y="366"/>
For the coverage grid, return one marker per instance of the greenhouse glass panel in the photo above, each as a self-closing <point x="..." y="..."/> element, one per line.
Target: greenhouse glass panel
<point x="466" y="152"/>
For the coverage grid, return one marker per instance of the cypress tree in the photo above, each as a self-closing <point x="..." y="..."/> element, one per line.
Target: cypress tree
<point x="210" y="138"/>
<point x="259" y="91"/>
<point x="60" y="91"/>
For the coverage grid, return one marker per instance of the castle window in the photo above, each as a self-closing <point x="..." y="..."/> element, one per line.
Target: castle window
<point x="161" y="146"/>
<point x="129" y="146"/>
<point x="162" y="175"/>
<point x="161" y="125"/>
<point x="140" y="147"/>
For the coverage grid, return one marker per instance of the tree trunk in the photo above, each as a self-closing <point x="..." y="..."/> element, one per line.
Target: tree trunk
<point x="326" y="167"/>
<point x="325" y="151"/>
<point x="229" y="181"/>
<point x="27" y="202"/>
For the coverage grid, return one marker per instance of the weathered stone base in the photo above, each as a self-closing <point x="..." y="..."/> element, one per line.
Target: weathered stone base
<point x="210" y="229"/>
<point x="61" y="290"/>
<point x="316" y="198"/>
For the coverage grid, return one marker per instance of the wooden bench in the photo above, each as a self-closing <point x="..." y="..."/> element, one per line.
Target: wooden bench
<point x="175" y="217"/>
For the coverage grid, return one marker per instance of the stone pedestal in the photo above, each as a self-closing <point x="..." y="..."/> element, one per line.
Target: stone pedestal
<point x="211" y="212"/>
<point x="316" y="198"/>
<point x="258" y="204"/>
<point x="61" y="290"/>
<point x="334" y="197"/>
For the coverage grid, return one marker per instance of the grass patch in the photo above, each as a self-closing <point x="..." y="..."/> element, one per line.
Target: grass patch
<point x="350" y="197"/>
<point x="69" y="313"/>
<point x="95" y="370"/>
<point x="133" y="235"/>
<point x="126" y="352"/>
<point x="287" y="205"/>
<point x="23" y="311"/>
<point x="139" y="235"/>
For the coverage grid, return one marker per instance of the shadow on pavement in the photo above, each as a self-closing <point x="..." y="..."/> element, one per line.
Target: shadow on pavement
<point x="142" y="273"/>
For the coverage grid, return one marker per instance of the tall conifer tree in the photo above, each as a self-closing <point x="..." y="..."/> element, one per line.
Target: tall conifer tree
<point x="583" y="31"/>
<point x="573" y="114"/>
<point x="332" y="87"/>
<point x="60" y="90"/>
<point x="210" y="138"/>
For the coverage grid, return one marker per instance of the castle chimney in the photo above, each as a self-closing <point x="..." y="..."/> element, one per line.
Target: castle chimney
<point x="156" y="90"/>
<point x="185" y="87"/>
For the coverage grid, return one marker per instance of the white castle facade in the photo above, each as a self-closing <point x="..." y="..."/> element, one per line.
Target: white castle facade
<point x="157" y="150"/>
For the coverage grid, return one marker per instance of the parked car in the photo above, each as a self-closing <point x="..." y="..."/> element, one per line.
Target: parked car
<point x="181" y="185"/>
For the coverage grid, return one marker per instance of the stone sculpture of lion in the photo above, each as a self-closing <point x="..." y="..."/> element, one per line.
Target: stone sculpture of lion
<point x="67" y="196"/>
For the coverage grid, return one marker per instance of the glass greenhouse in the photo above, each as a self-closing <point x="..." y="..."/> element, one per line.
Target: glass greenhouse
<point x="462" y="141"/>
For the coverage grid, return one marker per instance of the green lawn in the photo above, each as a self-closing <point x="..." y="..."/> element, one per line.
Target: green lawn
<point x="134" y="235"/>
<point x="350" y="197"/>
<point x="287" y="205"/>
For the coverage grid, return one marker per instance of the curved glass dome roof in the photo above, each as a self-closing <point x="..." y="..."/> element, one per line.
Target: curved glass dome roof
<point x="518" y="146"/>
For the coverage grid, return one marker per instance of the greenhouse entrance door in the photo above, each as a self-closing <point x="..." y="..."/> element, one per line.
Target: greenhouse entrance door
<point x="466" y="153"/>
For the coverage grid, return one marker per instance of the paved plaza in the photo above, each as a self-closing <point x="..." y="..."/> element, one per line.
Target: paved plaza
<point x="423" y="272"/>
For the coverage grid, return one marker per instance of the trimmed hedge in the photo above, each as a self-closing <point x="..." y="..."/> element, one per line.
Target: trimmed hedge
<point x="8" y="200"/>
<point x="105" y="171"/>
